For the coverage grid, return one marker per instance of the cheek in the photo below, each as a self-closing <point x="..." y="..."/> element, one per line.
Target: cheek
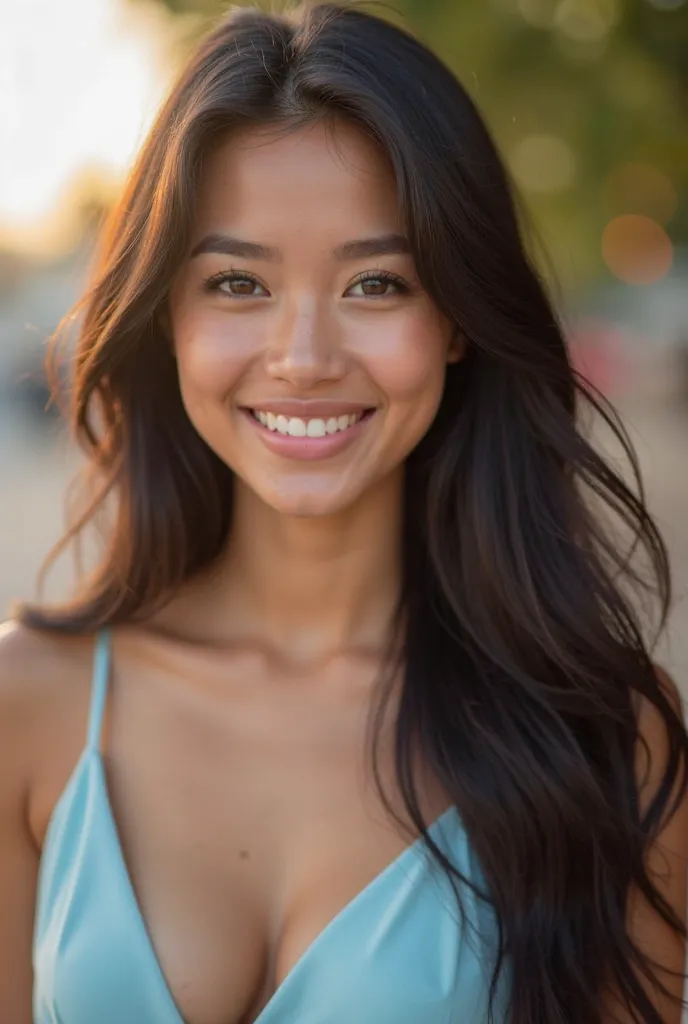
<point x="410" y="365"/>
<point x="209" y="361"/>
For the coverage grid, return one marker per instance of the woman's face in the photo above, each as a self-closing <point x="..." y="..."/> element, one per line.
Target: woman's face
<point x="310" y="359"/>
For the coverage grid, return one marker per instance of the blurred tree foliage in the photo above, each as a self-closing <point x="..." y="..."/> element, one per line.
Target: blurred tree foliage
<point x="587" y="99"/>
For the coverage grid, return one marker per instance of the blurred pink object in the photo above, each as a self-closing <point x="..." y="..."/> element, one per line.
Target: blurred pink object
<point x="597" y="352"/>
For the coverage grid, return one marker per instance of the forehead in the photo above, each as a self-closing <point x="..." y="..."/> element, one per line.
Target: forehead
<point x="327" y="173"/>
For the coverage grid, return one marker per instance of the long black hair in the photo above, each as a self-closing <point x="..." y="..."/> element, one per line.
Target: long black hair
<point x="524" y="655"/>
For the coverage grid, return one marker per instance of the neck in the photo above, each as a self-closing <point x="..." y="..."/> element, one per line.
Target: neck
<point x="313" y="586"/>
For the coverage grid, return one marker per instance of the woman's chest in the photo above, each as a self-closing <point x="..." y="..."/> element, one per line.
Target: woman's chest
<point x="394" y="952"/>
<point x="239" y="847"/>
<point x="239" y="863"/>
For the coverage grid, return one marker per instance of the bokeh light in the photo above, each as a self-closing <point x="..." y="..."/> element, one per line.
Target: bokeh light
<point x="637" y="249"/>
<point x="539" y="13"/>
<point x="543" y="163"/>
<point x="586" y="20"/>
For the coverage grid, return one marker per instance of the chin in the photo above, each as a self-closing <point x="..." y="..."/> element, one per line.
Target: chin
<point x="309" y="507"/>
<point x="307" y="504"/>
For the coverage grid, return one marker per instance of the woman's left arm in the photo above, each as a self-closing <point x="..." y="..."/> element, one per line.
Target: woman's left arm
<point x="667" y="864"/>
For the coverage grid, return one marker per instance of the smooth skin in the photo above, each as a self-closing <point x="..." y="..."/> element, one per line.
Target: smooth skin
<point x="234" y="737"/>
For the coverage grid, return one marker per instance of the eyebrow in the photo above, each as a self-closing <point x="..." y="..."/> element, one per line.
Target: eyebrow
<point x="361" y="248"/>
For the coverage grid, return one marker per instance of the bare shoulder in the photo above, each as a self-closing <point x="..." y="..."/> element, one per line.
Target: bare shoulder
<point x="34" y="666"/>
<point x="42" y="701"/>
<point x="44" y="686"/>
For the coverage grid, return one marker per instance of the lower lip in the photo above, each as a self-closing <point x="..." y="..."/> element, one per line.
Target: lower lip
<point x="308" y="448"/>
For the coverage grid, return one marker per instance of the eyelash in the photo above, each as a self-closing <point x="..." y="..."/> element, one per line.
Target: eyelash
<point x="213" y="283"/>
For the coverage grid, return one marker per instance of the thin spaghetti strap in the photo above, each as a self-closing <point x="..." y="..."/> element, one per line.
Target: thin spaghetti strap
<point x="99" y="683"/>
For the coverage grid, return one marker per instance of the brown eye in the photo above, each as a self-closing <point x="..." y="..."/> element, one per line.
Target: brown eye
<point x="377" y="285"/>
<point x="243" y="281"/>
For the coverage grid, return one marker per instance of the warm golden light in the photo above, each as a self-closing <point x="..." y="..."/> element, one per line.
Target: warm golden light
<point x="80" y="80"/>
<point x="637" y="249"/>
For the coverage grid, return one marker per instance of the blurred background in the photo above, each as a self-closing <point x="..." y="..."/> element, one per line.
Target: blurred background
<point x="588" y="101"/>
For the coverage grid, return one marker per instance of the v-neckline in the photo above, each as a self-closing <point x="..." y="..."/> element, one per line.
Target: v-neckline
<point x="309" y="952"/>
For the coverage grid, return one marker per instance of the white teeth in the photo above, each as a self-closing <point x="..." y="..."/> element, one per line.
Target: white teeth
<point x="297" y="427"/>
<point x="316" y="428"/>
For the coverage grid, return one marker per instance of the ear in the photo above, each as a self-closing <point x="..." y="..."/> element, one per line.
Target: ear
<point x="457" y="347"/>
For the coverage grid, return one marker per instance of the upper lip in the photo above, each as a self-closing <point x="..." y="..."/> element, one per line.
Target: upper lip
<point x="309" y="408"/>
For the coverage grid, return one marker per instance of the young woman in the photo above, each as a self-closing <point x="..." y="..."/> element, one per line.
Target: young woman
<point x="354" y="723"/>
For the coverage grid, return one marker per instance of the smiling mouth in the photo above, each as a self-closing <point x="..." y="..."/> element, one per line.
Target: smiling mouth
<point x="311" y="426"/>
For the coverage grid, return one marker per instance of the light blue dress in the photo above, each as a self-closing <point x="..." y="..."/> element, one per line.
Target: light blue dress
<point x="396" y="954"/>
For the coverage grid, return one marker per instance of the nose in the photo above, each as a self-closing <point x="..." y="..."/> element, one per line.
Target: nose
<point x="304" y="349"/>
